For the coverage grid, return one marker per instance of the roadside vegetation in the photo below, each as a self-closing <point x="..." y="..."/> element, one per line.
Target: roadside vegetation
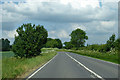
<point x="27" y="50"/>
<point x="30" y="40"/>
<point x="109" y="51"/>
<point x="109" y="56"/>
<point x="32" y="48"/>
<point x="14" y="67"/>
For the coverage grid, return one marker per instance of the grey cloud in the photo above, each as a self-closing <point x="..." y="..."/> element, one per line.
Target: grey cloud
<point x="58" y="17"/>
<point x="8" y="26"/>
<point x="56" y="12"/>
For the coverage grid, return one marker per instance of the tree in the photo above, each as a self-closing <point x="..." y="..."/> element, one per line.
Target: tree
<point x="53" y="43"/>
<point x="29" y="41"/>
<point x="68" y="45"/>
<point x="117" y="44"/>
<point x="59" y="43"/>
<point x="110" y="43"/>
<point x="4" y="44"/>
<point x="78" y="38"/>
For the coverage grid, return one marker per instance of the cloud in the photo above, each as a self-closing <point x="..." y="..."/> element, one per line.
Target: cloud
<point x="60" y="17"/>
<point x="107" y="24"/>
<point x="63" y="34"/>
<point x="57" y="12"/>
<point x="59" y="34"/>
<point x="8" y="26"/>
<point x="76" y="26"/>
<point x="9" y="34"/>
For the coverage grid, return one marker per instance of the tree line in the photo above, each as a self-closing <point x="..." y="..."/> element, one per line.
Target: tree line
<point x="112" y="44"/>
<point x="32" y="38"/>
<point x="78" y="38"/>
<point x="5" y="45"/>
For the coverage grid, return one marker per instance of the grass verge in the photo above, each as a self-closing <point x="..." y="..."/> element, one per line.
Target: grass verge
<point x="95" y="54"/>
<point x="13" y="67"/>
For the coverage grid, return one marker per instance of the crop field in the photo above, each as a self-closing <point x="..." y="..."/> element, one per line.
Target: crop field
<point x="7" y="54"/>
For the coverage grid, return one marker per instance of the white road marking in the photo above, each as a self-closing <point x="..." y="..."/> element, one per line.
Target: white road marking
<point x="40" y="68"/>
<point x="92" y="76"/>
<point x="101" y="60"/>
<point x="98" y="76"/>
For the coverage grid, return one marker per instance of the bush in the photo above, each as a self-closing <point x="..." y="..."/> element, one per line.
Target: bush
<point x="4" y="45"/>
<point x="29" y="41"/>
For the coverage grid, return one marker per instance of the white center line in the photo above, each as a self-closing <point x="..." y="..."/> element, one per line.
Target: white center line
<point x="98" y="76"/>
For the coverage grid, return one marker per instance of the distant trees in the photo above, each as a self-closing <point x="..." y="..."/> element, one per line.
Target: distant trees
<point x="117" y="44"/>
<point x="68" y="45"/>
<point x="30" y="40"/>
<point x="110" y="43"/>
<point x="53" y="43"/>
<point x="78" y="38"/>
<point x="4" y="44"/>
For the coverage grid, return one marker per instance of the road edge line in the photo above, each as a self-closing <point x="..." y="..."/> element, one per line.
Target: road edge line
<point x="105" y="61"/>
<point x="85" y="67"/>
<point x="40" y="68"/>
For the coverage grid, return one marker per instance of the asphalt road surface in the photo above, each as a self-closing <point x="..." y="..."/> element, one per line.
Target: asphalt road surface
<point x="71" y="65"/>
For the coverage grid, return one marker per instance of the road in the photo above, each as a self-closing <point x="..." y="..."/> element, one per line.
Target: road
<point x="70" y="65"/>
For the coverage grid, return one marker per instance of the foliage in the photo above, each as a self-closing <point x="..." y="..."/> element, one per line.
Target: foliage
<point x="111" y="57"/>
<point x="78" y="38"/>
<point x="53" y="43"/>
<point x="29" y="41"/>
<point x="96" y="47"/>
<point x="68" y="45"/>
<point x="4" y="44"/>
<point x="110" y="43"/>
<point x="117" y="44"/>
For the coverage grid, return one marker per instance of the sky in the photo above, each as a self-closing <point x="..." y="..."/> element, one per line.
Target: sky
<point x="98" y="18"/>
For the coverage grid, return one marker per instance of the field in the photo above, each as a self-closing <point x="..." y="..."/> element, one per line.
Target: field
<point x="7" y="54"/>
<point x="13" y="67"/>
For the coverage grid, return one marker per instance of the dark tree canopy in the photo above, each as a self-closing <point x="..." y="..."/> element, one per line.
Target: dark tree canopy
<point x="30" y="40"/>
<point x="53" y="43"/>
<point x="110" y="43"/>
<point x="59" y="43"/>
<point x="4" y="44"/>
<point x="78" y="38"/>
<point x="68" y="45"/>
<point x="117" y="44"/>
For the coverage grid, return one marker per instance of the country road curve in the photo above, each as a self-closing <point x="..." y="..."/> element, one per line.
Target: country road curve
<point x="71" y="65"/>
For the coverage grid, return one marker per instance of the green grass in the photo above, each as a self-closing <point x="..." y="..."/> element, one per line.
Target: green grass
<point x="7" y="54"/>
<point x="13" y="67"/>
<point x="111" y="57"/>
